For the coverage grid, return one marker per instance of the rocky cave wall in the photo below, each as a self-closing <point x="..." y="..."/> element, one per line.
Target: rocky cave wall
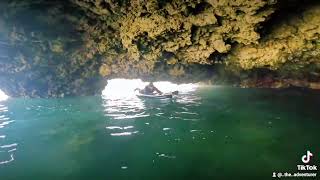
<point x="61" y="48"/>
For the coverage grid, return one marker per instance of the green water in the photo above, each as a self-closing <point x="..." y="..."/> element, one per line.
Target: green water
<point x="212" y="133"/>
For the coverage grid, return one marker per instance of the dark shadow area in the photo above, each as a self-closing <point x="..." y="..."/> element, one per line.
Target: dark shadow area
<point x="284" y="9"/>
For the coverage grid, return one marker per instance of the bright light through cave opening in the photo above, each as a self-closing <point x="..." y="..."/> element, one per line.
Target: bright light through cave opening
<point x="3" y="96"/>
<point x="124" y="88"/>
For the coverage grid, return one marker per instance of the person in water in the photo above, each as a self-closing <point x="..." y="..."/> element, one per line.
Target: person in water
<point x="150" y="89"/>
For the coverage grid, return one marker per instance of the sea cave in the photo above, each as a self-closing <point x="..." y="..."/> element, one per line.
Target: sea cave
<point x="71" y="48"/>
<point x="159" y="89"/>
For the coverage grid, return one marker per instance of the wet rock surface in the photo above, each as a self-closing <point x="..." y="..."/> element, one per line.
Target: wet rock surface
<point x="62" y="48"/>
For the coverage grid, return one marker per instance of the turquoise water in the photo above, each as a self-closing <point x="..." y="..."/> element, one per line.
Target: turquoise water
<point x="212" y="133"/>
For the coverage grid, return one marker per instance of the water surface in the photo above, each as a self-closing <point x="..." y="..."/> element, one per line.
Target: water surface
<point x="211" y="133"/>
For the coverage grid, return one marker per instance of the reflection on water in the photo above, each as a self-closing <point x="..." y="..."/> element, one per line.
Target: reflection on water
<point x="124" y="108"/>
<point x="193" y="136"/>
<point x="123" y="111"/>
<point x="3" y="96"/>
<point x="7" y="149"/>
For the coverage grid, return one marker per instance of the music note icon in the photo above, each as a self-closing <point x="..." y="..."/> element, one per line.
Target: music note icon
<point x="306" y="158"/>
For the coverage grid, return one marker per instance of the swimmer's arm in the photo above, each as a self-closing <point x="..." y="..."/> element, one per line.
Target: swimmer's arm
<point x="158" y="91"/>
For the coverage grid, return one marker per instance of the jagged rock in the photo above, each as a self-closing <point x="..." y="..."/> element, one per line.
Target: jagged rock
<point x="294" y="41"/>
<point x="65" y="48"/>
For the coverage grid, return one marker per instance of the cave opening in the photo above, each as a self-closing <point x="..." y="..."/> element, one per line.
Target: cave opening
<point x="3" y="96"/>
<point x="125" y="88"/>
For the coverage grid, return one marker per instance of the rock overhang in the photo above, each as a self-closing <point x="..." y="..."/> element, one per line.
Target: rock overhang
<point x="64" y="48"/>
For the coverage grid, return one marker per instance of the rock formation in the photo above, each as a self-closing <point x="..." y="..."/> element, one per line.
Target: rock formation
<point x="71" y="47"/>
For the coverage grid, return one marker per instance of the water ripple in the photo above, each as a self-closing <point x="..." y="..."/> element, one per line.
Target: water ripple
<point x="3" y="124"/>
<point x="124" y="133"/>
<point x="125" y="108"/>
<point x="121" y="130"/>
<point x="122" y="113"/>
<point x="7" y="161"/>
<point x="6" y="150"/>
<point x="165" y="156"/>
<point x="135" y="108"/>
